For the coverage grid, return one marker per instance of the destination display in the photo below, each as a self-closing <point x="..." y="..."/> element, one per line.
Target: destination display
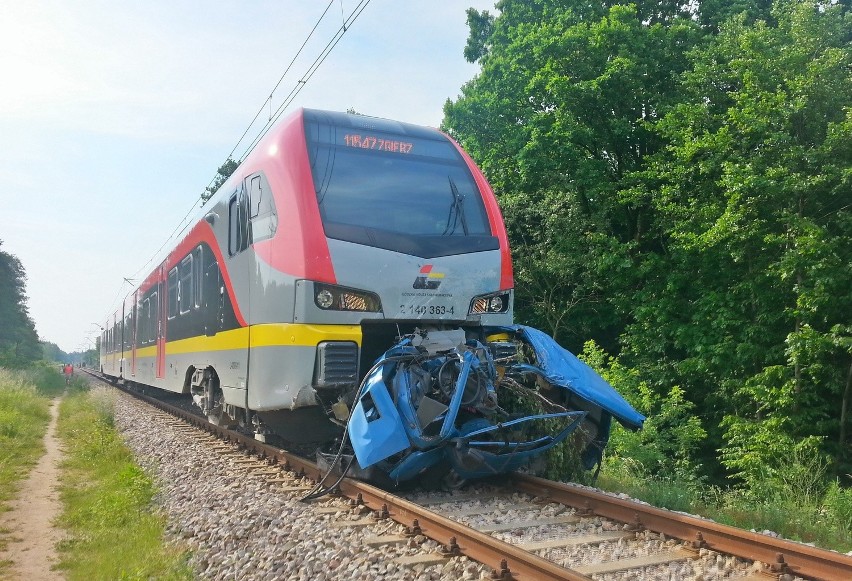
<point x="376" y="139"/>
<point x="378" y="143"/>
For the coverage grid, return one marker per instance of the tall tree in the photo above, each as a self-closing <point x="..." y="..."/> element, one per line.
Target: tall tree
<point x="675" y="180"/>
<point x="559" y="119"/>
<point x="752" y="302"/>
<point x="52" y="352"/>
<point x="18" y="340"/>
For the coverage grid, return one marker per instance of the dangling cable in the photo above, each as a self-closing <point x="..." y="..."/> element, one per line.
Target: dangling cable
<point x="318" y="490"/>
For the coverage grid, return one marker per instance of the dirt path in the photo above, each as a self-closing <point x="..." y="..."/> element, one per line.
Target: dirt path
<point x="32" y="542"/>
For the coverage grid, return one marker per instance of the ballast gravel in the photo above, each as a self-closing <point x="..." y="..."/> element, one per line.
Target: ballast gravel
<point x="239" y="526"/>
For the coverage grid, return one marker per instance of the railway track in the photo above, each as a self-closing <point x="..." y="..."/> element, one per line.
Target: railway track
<point x="541" y="530"/>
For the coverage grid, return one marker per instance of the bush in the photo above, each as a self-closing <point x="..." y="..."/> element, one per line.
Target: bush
<point x="837" y="504"/>
<point x="666" y="446"/>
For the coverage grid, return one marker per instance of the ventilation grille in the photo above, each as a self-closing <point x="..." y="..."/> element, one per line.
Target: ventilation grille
<point x="336" y="365"/>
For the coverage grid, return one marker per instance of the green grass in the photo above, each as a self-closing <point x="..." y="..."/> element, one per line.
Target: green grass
<point x="821" y="516"/>
<point x="24" y="416"/>
<point x="113" y="531"/>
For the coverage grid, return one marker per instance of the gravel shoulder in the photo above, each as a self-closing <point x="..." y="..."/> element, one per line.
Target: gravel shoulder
<point x="239" y="526"/>
<point x="31" y="536"/>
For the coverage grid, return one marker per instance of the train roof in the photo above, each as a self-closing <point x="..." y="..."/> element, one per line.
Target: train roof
<point x="358" y="121"/>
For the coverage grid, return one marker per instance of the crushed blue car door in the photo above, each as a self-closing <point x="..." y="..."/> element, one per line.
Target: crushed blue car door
<point x="562" y="368"/>
<point x="375" y="427"/>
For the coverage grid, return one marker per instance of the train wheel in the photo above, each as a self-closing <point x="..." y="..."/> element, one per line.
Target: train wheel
<point x="213" y="401"/>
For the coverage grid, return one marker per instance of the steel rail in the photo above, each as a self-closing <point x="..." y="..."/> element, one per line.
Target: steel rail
<point x="511" y="562"/>
<point x="780" y="555"/>
<point x="507" y="561"/>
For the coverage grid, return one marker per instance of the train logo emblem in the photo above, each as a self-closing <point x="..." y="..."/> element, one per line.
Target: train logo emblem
<point x="428" y="279"/>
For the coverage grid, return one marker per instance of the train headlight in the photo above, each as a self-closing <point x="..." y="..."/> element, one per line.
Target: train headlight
<point x="490" y="303"/>
<point x="324" y="299"/>
<point x="337" y="298"/>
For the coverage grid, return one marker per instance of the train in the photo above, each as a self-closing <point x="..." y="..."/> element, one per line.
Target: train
<point x="350" y="286"/>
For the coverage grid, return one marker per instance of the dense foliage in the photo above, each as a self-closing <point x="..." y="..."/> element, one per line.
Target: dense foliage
<point x="676" y="180"/>
<point x="19" y="344"/>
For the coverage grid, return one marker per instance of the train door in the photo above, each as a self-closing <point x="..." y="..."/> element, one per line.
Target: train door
<point x="113" y="345"/>
<point x="122" y="341"/>
<point x="161" y="312"/>
<point x="212" y="296"/>
<point x="240" y="265"/>
<point x="134" y="334"/>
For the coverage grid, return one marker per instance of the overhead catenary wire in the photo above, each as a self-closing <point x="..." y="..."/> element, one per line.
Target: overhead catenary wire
<point x="300" y="84"/>
<point x="273" y="117"/>
<point x="178" y="229"/>
<point x="272" y="92"/>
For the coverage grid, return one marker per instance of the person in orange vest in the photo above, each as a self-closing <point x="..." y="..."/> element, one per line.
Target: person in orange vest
<point x="68" y="370"/>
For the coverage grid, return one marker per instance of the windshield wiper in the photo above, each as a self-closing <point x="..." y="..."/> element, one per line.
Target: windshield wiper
<point x="456" y="211"/>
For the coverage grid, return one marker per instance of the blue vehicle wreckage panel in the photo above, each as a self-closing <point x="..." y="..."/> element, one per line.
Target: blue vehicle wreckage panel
<point x="375" y="423"/>
<point x="562" y="368"/>
<point x="400" y="429"/>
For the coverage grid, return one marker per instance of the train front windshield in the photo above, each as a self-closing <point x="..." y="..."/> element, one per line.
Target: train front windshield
<point x="409" y="191"/>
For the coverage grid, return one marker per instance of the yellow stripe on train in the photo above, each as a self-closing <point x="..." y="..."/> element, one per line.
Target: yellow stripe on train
<point x="266" y="335"/>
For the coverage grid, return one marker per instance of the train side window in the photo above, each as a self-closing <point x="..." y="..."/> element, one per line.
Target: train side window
<point x="144" y="307"/>
<point x="238" y="222"/>
<point x="264" y="221"/>
<point x="155" y="317"/>
<point x="255" y="195"/>
<point x="173" y="293"/>
<point x="134" y="325"/>
<point x="149" y="321"/>
<point x="125" y="332"/>
<point x="198" y="275"/>
<point x="233" y="225"/>
<point x="185" y="290"/>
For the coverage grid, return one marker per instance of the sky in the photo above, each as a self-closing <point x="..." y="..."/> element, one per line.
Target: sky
<point x="114" y="117"/>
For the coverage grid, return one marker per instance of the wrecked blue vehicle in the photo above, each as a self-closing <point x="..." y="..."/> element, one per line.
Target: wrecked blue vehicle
<point x="433" y="404"/>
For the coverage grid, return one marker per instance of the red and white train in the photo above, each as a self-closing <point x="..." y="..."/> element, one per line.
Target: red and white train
<point x="337" y="235"/>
